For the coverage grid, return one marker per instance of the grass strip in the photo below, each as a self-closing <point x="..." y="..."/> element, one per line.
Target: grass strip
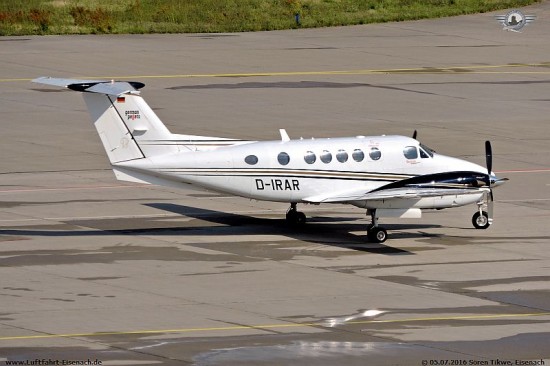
<point x="41" y="17"/>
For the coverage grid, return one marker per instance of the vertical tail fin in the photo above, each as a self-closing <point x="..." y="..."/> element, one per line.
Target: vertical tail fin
<point x="127" y="126"/>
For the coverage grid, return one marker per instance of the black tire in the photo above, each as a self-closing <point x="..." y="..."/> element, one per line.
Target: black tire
<point x="295" y="218"/>
<point x="481" y="220"/>
<point x="300" y="218"/>
<point x="378" y="235"/>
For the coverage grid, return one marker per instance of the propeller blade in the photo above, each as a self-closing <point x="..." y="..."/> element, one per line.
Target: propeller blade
<point x="489" y="157"/>
<point x="414" y="134"/>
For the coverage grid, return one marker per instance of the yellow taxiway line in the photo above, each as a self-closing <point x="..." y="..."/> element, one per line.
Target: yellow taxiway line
<point x="471" y="69"/>
<point x="322" y="324"/>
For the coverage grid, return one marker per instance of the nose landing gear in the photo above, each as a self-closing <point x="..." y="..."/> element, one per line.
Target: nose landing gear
<point x="483" y="219"/>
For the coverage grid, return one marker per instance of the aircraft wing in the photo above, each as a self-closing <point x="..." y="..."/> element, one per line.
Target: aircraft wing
<point x="389" y="194"/>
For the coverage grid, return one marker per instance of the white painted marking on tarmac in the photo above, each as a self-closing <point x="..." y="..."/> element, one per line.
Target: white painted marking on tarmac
<point x="182" y="216"/>
<point x="524" y="171"/>
<point x="526" y="200"/>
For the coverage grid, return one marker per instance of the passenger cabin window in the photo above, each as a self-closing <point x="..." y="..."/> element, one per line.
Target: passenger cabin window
<point x="283" y="158"/>
<point x="375" y="154"/>
<point x="326" y="157"/>
<point x="410" y="152"/>
<point x="251" y="160"/>
<point x="342" y="156"/>
<point x="310" y="157"/>
<point x="358" y="155"/>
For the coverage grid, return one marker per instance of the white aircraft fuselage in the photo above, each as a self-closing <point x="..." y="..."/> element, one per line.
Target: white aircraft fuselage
<point x="349" y="167"/>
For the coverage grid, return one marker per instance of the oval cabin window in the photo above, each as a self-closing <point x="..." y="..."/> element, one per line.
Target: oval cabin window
<point x="326" y="157"/>
<point x="358" y="155"/>
<point x="251" y="160"/>
<point x="342" y="156"/>
<point x="310" y="157"/>
<point x="283" y="158"/>
<point x="375" y="154"/>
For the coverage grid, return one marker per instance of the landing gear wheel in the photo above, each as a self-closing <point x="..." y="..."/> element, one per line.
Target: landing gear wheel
<point x="295" y="218"/>
<point x="480" y="220"/>
<point x="377" y="234"/>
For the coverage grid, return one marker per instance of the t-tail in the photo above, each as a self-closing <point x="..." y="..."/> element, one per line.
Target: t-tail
<point x="129" y="129"/>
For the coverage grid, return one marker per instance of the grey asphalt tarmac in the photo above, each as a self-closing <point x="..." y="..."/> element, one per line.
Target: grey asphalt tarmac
<point x="127" y="274"/>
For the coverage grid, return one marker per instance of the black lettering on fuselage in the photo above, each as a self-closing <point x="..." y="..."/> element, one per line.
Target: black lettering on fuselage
<point x="259" y="185"/>
<point x="278" y="184"/>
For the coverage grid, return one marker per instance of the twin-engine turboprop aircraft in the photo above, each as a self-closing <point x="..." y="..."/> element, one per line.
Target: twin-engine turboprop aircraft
<point x="389" y="176"/>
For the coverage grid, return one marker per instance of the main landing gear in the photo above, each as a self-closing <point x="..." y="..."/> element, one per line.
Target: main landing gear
<point x="295" y="217"/>
<point x="375" y="233"/>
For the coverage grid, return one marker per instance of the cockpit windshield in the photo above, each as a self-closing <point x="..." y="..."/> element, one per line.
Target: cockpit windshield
<point x="426" y="152"/>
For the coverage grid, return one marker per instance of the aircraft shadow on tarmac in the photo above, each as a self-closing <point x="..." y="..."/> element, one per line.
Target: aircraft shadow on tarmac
<point x="318" y="230"/>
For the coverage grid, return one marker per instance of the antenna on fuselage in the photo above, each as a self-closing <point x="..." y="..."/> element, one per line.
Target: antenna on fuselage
<point x="284" y="135"/>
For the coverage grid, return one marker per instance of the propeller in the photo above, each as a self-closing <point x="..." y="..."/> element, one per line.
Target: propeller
<point x="489" y="162"/>
<point x="414" y="134"/>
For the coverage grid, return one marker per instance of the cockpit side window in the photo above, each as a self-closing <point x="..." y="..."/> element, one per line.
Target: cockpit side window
<point x="410" y="152"/>
<point x="427" y="150"/>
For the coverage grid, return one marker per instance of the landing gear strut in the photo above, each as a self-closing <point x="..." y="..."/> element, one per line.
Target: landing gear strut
<point x="376" y="234"/>
<point x="295" y="217"/>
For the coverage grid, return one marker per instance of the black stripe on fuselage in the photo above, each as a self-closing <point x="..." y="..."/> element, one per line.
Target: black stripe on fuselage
<point x="294" y="173"/>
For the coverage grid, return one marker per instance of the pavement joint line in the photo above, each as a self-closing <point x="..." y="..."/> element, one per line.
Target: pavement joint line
<point x="426" y="70"/>
<point x="272" y="326"/>
<point x="70" y="188"/>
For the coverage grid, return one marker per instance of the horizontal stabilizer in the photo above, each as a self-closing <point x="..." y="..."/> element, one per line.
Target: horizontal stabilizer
<point x="64" y="82"/>
<point x="94" y="86"/>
